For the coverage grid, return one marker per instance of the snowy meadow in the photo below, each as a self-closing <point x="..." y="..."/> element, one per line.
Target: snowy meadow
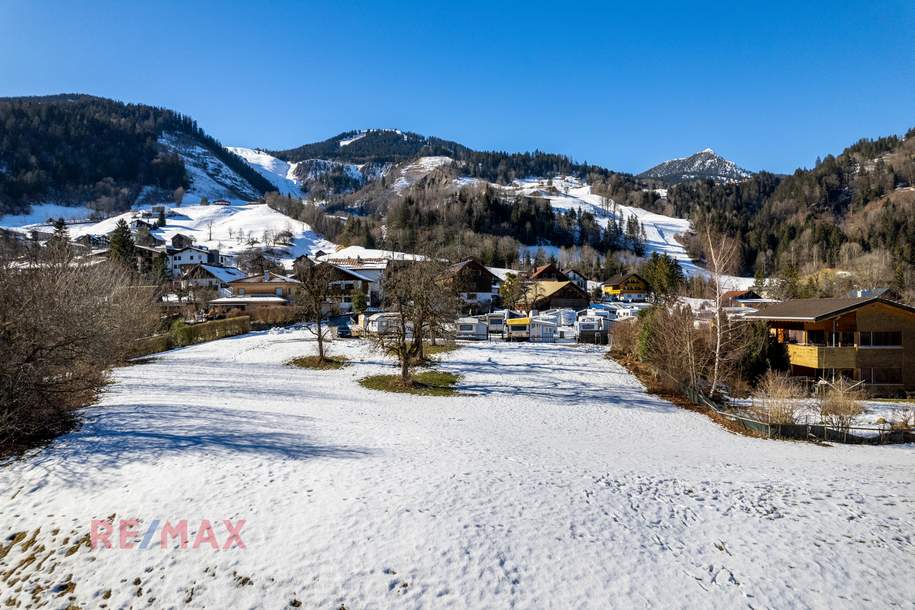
<point x="553" y="481"/>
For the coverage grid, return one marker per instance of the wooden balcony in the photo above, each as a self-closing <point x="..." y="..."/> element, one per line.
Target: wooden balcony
<point x="823" y="357"/>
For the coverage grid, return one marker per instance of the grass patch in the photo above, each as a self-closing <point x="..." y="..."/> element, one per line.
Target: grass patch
<point x="312" y="362"/>
<point x="427" y="383"/>
<point x="439" y="348"/>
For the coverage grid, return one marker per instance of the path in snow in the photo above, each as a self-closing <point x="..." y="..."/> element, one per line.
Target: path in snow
<point x="557" y="482"/>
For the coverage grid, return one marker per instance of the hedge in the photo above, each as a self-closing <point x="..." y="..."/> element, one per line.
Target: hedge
<point x="182" y="334"/>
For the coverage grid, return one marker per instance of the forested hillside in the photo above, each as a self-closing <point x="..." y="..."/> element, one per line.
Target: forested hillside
<point x="79" y="148"/>
<point x="857" y="206"/>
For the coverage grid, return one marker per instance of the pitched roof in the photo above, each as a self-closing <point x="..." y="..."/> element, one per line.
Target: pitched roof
<point x="544" y="268"/>
<point x="619" y="279"/>
<point x="271" y="278"/>
<point x="814" y="310"/>
<point x="223" y="274"/>
<point x="456" y="268"/>
<point x="546" y="288"/>
<point x="737" y="294"/>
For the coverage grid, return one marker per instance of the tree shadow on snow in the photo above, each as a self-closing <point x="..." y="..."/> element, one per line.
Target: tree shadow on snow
<point x="111" y="437"/>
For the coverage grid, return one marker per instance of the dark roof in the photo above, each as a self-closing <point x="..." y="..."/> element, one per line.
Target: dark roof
<point x="538" y="271"/>
<point x="814" y="310"/>
<point x="456" y="268"/>
<point x="619" y="279"/>
<point x="739" y="294"/>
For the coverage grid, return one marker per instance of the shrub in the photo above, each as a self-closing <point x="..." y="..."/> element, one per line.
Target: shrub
<point x="777" y="399"/>
<point x="183" y="334"/>
<point x="840" y="405"/>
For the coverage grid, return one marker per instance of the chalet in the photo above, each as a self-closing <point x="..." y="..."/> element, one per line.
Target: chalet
<point x="259" y="291"/>
<point x="868" y="339"/>
<point x="146" y="257"/>
<point x="556" y="294"/>
<point x="180" y="241"/>
<point x="628" y="287"/>
<point x="577" y="278"/>
<point x="474" y="284"/>
<point x="344" y="283"/>
<point x="210" y="276"/>
<point x="738" y="298"/>
<point x="549" y="272"/>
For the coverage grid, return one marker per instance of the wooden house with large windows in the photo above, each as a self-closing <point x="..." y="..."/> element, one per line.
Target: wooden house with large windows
<point x="869" y="339"/>
<point x="627" y="287"/>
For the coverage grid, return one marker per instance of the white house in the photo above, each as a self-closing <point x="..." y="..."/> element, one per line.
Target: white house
<point x="577" y="279"/>
<point x="178" y="260"/>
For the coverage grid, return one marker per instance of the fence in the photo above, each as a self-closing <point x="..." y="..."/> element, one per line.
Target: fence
<point x="854" y="435"/>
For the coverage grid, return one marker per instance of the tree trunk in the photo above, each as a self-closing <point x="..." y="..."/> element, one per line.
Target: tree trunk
<point x="320" y="336"/>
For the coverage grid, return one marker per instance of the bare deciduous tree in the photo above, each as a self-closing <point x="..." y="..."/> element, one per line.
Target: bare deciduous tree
<point x="63" y="325"/>
<point x="313" y="296"/>
<point x="723" y="254"/>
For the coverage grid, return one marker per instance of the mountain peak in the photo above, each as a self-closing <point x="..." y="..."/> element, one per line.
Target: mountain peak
<point x="705" y="164"/>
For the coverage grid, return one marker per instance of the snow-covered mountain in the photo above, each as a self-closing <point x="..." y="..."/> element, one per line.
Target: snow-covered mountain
<point x="699" y="166"/>
<point x="210" y="177"/>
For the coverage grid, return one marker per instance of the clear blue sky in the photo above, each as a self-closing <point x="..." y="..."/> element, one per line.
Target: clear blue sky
<point x="770" y="85"/>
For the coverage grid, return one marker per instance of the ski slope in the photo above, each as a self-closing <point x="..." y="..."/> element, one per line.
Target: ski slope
<point x="280" y="173"/>
<point x="660" y="231"/>
<point x="554" y="482"/>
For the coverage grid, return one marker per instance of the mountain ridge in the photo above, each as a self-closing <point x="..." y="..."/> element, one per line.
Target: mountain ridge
<point x="703" y="165"/>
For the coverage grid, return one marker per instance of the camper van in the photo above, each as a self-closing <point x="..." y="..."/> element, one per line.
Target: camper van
<point x="472" y="329"/>
<point x="517" y="329"/>
<point x="542" y="330"/>
<point x="593" y="329"/>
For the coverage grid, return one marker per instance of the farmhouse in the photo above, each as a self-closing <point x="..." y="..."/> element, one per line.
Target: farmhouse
<point x="474" y="284"/>
<point x="344" y="283"/>
<point x="869" y="339"/>
<point x="258" y="291"/>
<point x="210" y="276"/>
<point x="548" y="272"/>
<point x="552" y="294"/>
<point x="628" y="287"/>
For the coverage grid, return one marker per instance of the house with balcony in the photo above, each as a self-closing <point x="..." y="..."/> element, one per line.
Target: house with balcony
<point x="627" y="287"/>
<point x="867" y="339"/>
<point x="474" y="284"/>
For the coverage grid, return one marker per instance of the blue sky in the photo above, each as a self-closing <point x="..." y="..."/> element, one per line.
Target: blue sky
<point x="770" y="85"/>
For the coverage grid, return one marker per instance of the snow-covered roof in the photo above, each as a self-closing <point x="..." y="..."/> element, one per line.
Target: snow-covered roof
<point x="223" y="274"/>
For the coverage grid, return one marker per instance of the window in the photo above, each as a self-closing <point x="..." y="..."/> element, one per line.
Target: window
<point x="816" y="337"/>
<point x="881" y="339"/>
<point x="887" y="376"/>
<point x="465" y="327"/>
<point x="241" y="292"/>
<point x="279" y="292"/>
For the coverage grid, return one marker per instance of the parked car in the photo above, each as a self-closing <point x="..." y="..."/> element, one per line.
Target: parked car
<point x="344" y="331"/>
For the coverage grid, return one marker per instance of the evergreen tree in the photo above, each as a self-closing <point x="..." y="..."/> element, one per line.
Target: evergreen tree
<point x="121" y="246"/>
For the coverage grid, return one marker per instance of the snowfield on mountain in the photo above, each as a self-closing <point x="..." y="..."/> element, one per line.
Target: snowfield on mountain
<point x="554" y="481"/>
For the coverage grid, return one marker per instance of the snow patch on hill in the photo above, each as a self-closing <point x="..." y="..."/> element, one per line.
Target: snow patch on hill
<point x="210" y="177"/>
<point x="41" y="213"/>
<point x="660" y="231"/>
<point x="280" y="173"/>
<point x="350" y="140"/>
<point x="419" y="169"/>
<point x="227" y="228"/>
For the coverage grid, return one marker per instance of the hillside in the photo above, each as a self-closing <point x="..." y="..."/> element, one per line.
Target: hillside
<point x="108" y="155"/>
<point x="853" y="211"/>
<point x="703" y="165"/>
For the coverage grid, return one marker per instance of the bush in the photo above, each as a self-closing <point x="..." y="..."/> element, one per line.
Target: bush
<point x="63" y="325"/>
<point x="777" y="399"/>
<point x="183" y="334"/>
<point x="273" y="316"/>
<point x="840" y="405"/>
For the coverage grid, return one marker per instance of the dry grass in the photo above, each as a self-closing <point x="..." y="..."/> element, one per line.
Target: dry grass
<point x="427" y="383"/>
<point x="840" y="405"/>
<point x="313" y="362"/>
<point x="776" y="399"/>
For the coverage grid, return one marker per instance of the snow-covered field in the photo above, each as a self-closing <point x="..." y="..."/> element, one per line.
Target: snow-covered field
<point x="555" y="482"/>
<point x="42" y="212"/>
